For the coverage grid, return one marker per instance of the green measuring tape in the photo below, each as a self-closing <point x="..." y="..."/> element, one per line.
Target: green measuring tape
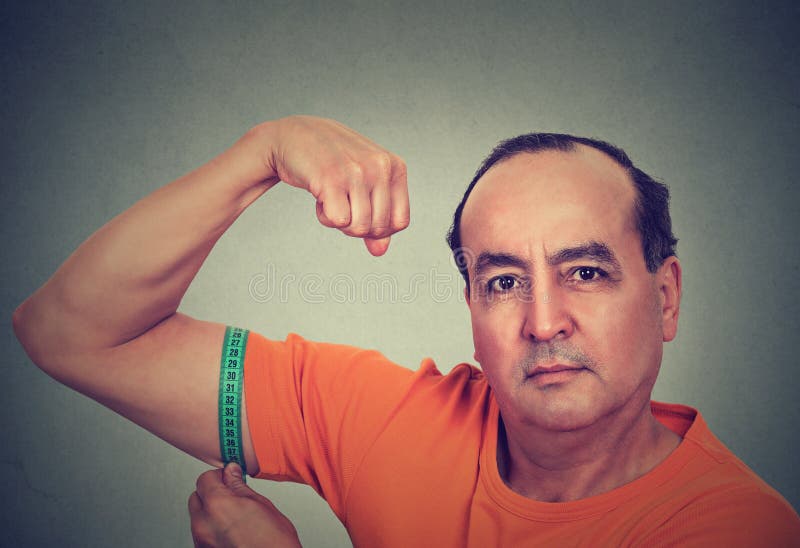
<point x="231" y="379"/>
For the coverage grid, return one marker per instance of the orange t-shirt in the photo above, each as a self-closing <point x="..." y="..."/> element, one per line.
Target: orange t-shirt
<point x="408" y="458"/>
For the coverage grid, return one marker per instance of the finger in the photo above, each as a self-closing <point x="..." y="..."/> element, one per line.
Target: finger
<point x="377" y="247"/>
<point x="232" y="477"/>
<point x="381" y="211"/>
<point x="231" y="471"/>
<point x="333" y="208"/>
<point x="360" y="211"/>
<point x="398" y="194"/>
<point x="196" y="510"/>
<point x="209" y="481"/>
<point x="202" y="534"/>
<point x="324" y="218"/>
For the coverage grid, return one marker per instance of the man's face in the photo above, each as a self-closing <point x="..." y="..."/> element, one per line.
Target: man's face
<point x="568" y="324"/>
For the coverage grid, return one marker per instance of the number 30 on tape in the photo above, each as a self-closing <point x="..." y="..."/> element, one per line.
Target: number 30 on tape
<point x="231" y="379"/>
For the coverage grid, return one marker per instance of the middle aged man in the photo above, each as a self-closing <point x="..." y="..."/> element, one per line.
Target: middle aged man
<point x="572" y="287"/>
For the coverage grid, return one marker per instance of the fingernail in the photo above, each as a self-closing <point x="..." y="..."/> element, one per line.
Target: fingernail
<point x="235" y="468"/>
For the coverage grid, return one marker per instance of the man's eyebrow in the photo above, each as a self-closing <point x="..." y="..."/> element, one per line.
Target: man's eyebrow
<point x="596" y="251"/>
<point x="487" y="259"/>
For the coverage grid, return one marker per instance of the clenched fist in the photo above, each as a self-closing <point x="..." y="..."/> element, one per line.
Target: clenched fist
<point x="359" y="187"/>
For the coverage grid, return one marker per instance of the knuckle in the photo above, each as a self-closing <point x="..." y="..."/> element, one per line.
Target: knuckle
<point x="325" y="221"/>
<point x="359" y="229"/>
<point x="400" y="171"/>
<point x="401" y="222"/>
<point x="205" y="477"/>
<point x="381" y="225"/>
<point x="381" y="215"/>
<point x="216" y="505"/>
<point x="380" y="232"/>
<point x="201" y="538"/>
<point x="335" y="221"/>
<point x="329" y="178"/>
<point x="353" y="172"/>
<point x="382" y="165"/>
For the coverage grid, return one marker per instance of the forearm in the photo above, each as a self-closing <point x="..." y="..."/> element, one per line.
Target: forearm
<point x="133" y="272"/>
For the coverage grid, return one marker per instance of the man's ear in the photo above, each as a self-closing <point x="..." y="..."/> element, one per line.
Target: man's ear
<point x="669" y="286"/>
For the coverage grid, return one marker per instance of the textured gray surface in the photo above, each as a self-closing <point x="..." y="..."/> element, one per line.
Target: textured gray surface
<point x="103" y="102"/>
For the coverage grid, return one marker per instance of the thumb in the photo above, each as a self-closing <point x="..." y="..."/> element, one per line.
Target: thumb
<point x="377" y="247"/>
<point x="233" y="479"/>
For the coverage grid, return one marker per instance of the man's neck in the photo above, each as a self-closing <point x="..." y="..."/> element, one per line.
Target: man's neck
<point x="564" y="466"/>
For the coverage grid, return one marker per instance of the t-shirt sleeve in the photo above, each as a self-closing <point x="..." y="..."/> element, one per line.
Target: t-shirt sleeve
<point x="746" y="517"/>
<point x="313" y="409"/>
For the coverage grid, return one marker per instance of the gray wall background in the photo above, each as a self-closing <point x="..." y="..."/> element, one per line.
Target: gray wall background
<point x="103" y="102"/>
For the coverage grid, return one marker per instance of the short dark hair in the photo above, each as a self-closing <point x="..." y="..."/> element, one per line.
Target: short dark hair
<point x="651" y="206"/>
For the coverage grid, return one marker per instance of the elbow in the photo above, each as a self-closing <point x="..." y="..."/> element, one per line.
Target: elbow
<point x="37" y="329"/>
<point x="18" y="322"/>
<point x="25" y="330"/>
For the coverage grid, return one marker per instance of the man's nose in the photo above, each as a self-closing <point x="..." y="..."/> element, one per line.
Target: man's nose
<point x="547" y="316"/>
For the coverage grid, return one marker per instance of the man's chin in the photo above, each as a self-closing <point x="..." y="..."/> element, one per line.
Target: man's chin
<point x="562" y="414"/>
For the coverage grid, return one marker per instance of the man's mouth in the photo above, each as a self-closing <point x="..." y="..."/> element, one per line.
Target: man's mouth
<point x="544" y="375"/>
<point x="555" y="368"/>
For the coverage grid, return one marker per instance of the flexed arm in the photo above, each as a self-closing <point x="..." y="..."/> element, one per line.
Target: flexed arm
<point x="106" y="323"/>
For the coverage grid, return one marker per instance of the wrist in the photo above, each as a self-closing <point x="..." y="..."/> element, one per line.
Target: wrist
<point x="259" y="146"/>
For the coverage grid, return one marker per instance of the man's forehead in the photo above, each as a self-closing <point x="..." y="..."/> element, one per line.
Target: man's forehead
<point x="584" y="169"/>
<point x="551" y="195"/>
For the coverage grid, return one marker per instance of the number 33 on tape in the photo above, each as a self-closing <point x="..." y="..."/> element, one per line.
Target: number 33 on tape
<point x="231" y="379"/>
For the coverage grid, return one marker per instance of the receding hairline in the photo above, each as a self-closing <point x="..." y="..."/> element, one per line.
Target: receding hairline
<point x="571" y="149"/>
<point x="651" y="203"/>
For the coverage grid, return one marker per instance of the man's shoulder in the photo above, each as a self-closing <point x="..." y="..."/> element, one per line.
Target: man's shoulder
<point x="738" y="513"/>
<point x="703" y="454"/>
<point x="715" y="493"/>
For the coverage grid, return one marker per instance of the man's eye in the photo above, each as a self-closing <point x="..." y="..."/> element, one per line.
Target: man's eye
<point x="501" y="284"/>
<point x="587" y="274"/>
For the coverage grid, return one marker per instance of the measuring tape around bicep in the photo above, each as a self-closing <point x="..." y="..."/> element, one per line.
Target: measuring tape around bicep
<point x="231" y="380"/>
